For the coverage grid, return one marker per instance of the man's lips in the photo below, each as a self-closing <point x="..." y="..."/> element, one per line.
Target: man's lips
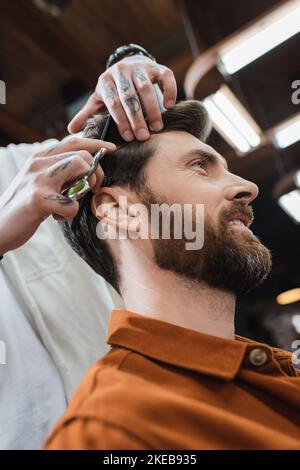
<point x="245" y="219"/>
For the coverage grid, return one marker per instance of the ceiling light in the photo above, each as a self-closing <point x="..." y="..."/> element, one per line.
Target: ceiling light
<point x="267" y="33"/>
<point x="290" y="203"/>
<point x="287" y="192"/>
<point x="296" y="322"/>
<point x="232" y="121"/>
<point x="287" y="133"/>
<point x="288" y="297"/>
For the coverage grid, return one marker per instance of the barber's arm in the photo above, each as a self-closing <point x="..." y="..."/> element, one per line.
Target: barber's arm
<point x="34" y="194"/>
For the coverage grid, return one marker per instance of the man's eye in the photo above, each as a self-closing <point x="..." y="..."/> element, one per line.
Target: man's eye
<point x="201" y="164"/>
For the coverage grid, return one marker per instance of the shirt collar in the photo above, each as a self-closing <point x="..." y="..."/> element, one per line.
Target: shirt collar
<point x="178" y="346"/>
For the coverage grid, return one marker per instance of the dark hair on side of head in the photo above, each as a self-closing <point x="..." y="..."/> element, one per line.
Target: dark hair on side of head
<point x="125" y="167"/>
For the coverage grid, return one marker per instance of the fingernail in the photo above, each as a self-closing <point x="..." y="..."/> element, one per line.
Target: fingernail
<point x="156" y="126"/>
<point x="170" y="103"/>
<point x="142" y="134"/>
<point x="110" y="145"/>
<point x="128" y="136"/>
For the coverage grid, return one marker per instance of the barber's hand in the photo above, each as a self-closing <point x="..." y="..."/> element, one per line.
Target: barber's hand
<point x="123" y="89"/>
<point x="34" y="194"/>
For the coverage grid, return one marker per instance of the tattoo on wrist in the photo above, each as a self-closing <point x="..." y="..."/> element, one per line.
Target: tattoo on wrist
<point x="140" y="75"/>
<point x="63" y="200"/>
<point x="124" y="83"/>
<point x="133" y="104"/>
<point x="60" y="168"/>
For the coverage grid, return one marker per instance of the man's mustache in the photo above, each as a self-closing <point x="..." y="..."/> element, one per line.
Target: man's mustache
<point x="238" y="209"/>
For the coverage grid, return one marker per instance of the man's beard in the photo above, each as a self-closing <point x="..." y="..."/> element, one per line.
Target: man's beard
<point x="230" y="260"/>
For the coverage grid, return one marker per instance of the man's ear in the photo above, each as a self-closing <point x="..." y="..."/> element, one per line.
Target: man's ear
<point x="112" y="207"/>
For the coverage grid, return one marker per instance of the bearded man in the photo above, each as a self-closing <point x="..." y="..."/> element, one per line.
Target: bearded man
<point x="177" y="376"/>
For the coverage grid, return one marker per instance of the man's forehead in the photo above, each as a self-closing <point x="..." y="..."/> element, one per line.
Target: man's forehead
<point x="178" y="145"/>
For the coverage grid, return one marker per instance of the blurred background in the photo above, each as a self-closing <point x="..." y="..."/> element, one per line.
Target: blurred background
<point x="241" y="58"/>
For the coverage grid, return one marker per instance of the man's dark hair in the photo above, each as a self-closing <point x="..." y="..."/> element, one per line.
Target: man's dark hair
<point x="125" y="168"/>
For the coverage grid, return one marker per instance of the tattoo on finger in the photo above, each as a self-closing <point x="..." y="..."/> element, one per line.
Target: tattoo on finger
<point x="110" y="91"/>
<point x="60" y="198"/>
<point x="50" y="151"/>
<point x="133" y="104"/>
<point x="124" y="83"/>
<point x="155" y="74"/>
<point x="140" y="75"/>
<point x="60" y="168"/>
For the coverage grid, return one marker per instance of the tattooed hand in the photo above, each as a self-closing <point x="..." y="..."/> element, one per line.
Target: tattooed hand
<point x="34" y="194"/>
<point x="127" y="88"/>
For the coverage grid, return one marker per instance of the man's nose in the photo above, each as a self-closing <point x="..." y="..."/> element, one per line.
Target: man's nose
<point x="242" y="190"/>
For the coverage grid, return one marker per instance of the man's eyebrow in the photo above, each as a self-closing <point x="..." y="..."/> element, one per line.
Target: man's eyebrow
<point x="213" y="157"/>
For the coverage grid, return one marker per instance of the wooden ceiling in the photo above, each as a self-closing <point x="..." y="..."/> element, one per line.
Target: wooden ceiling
<point x="45" y="59"/>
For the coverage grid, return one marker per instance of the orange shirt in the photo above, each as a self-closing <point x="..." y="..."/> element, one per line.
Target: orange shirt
<point x="162" y="386"/>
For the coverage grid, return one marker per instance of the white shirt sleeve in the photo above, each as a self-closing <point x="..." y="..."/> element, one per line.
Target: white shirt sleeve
<point x="67" y="303"/>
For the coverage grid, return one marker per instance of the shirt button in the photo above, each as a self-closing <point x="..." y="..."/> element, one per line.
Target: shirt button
<point x="258" y="357"/>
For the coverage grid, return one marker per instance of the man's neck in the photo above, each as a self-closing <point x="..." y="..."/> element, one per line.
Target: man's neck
<point x="164" y="295"/>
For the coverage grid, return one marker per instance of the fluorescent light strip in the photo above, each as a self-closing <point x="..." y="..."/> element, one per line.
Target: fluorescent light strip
<point x="290" y="203"/>
<point x="232" y="120"/>
<point x="274" y="29"/>
<point x="225" y="127"/>
<point x="297" y="179"/>
<point x="288" y="133"/>
<point x="236" y="117"/>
